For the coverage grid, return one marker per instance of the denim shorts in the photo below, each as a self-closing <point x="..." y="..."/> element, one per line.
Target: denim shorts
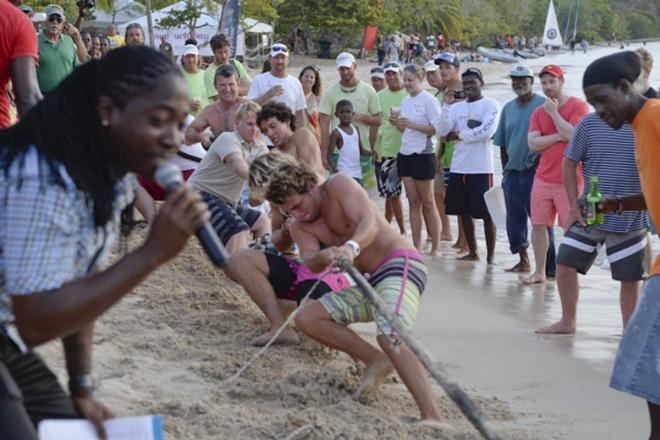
<point x="637" y="365"/>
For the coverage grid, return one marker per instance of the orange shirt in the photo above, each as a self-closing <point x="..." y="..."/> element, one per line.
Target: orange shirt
<point x="647" y="139"/>
<point x="549" y="169"/>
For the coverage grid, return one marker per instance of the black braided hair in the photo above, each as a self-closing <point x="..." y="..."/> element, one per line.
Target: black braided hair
<point x="66" y="129"/>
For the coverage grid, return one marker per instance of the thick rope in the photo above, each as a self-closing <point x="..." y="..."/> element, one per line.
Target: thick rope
<point x="460" y="397"/>
<point x="279" y="331"/>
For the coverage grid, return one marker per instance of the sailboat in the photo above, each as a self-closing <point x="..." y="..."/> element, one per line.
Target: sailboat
<point x="551" y="35"/>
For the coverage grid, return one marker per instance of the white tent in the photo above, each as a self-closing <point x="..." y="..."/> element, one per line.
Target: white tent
<point x="207" y="25"/>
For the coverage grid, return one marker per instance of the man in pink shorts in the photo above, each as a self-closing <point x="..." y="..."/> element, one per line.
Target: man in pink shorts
<point x="550" y="129"/>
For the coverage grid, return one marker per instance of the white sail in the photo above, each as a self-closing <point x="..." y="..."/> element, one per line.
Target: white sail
<point x="551" y="34"/>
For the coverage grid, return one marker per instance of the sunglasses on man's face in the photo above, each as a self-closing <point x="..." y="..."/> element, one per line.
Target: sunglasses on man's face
<point x="55" y="19"/>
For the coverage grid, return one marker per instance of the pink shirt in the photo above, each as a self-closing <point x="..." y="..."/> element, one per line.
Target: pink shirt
<point x="549" y="169"/>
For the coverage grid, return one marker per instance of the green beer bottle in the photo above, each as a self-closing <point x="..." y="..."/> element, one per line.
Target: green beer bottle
<point x="594" y="199"/>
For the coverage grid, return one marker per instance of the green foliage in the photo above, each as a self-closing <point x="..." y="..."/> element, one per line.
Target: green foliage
<point x="424" y="16"/>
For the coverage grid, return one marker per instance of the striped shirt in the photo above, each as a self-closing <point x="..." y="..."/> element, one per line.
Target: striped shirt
<point x="610" y="155"/>
<point x="47" y="231"/>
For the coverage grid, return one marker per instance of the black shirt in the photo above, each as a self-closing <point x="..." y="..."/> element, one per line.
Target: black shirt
<point x="651" y="93"/>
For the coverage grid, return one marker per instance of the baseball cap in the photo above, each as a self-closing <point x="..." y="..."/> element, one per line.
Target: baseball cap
<point x="54" y="10"/>
<point x="430" y="66"/>
<point x="345" y="59"/>
<point x="277" y="49"/>
<point x="392" y="66"/>
<point x="190" y="49"/>
<point x="521" y="71"/>
<point x="473" y="71"/>
<point x="448" y="57"/>
<point x="553" y="70"/>
<point x="377" y="72"/>
<point x="26" y="9"/>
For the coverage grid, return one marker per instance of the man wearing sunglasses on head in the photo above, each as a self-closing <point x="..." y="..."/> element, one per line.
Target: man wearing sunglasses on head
<point x="60" y="49"/>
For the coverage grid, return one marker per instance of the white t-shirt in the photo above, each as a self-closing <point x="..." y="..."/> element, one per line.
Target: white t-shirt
<point x="473" y="153"/>
<point x="423" y="109"/>
<point x="293" y="95"/>
<point x="196" y="151"/>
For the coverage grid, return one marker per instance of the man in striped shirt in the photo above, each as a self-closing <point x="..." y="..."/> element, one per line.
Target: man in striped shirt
<point x="608" y="154"/>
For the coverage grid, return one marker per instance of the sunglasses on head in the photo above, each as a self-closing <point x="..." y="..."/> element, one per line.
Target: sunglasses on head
<point x="388" y="65"/>
<point x="55" y="18"/>
<point x="279" y="49"/>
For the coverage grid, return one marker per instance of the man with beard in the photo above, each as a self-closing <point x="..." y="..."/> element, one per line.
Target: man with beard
<point x="365" y="104"/>
<point x="519" y="166"/>
<point x="472" y="123"/>
<point x="551" y="127"/>
<point x="60" y="49"/>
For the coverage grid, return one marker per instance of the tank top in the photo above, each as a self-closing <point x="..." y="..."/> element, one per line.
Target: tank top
<point x="349" y="154"/>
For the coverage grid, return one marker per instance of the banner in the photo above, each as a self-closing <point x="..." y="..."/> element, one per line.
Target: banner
<point x="369" y="37"/>
<point x="229" y="20"/>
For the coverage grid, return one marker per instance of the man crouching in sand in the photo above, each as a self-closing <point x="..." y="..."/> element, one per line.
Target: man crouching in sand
<point x="335" y="219"/>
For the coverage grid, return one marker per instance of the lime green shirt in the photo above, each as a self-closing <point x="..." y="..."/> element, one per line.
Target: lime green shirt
<point x="209" y="77"/>
<point x="364" y="99"/>
<point x="56" y="61"/>
<point x="196" y="88"/>
<point x="389" y="137"/>
<point x="449" y="145"/>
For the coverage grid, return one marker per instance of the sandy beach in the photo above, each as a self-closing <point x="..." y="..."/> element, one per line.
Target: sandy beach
<point x="169" y="347"/>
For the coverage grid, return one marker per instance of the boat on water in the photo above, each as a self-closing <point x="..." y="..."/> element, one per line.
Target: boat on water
<point x="522" y="53"/>
<point x="497" y="55"/>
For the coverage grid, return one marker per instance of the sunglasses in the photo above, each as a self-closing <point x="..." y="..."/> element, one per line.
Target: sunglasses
<point x="55" y="19"/>
<point x="279" y="49"/>
<point x="395" y="65"/>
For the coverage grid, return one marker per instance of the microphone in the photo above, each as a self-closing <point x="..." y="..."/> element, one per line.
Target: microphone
<point x="169" y="177"/>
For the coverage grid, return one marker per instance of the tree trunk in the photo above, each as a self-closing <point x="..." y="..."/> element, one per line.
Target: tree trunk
<point x="150" y="25"/>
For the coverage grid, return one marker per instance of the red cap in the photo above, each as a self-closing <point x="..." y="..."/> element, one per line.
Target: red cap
<point x="553" y="70"/>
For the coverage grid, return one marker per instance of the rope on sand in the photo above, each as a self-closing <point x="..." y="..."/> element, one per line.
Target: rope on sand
<point x="460" y="397"/>
<point x="279" y="331"/>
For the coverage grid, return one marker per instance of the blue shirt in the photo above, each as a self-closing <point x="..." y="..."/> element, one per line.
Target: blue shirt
<point x="47" y="232"/>
<point x="512" y="134"/>
<point x="610" y="155"/>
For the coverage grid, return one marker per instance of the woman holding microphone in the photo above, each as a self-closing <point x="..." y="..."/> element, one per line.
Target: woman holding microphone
<point x="416" y="162"/>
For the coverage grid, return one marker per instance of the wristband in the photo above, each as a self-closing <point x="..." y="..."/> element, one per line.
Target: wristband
<point x="82" y="382"/>
<point x="355" y="247"/>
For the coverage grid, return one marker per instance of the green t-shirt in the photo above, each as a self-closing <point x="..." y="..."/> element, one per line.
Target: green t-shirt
<point x="209" y="77"/>
<point x="389" y="137"/>
<point x="449" y="145"/>
<point x="364" y="99"/>
<point x="56" y="61"/>
<point x="196" y="88"/>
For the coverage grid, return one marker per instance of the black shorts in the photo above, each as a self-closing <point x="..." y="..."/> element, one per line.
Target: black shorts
<point x="465" y="194"/>
<point x="283" y="279"/>
<point x="417" y="166"/>
<point x="227" y="220"/>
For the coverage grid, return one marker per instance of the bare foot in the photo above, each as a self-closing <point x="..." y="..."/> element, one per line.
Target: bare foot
<point x="519" y="268"/>
<point x="435" y="253"/>
<point x="457" y="245"/>
<point x="288" y="336"/>
<point x="374" y="376"/>
<point x="534" y="278"/>
<point x="442" y="425"/>
<point x="558" y="328"/>
<point x="469" y="257"/>
<point x="446" y="237"/>
<point x="490" y="259"/>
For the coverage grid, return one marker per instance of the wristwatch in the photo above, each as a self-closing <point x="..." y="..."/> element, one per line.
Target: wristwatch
<point x="82" y="382"/>
<point x="355" y="247"/>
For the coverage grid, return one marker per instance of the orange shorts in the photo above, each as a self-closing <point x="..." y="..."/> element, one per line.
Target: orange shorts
<point x="548" y="201"/>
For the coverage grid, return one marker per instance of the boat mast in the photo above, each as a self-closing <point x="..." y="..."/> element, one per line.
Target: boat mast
<point x="577" y="12"/>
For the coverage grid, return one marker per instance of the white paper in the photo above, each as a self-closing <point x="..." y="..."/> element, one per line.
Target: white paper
<point x="128" y="428"/>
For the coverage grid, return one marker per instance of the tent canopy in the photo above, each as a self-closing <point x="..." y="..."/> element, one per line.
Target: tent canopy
<point x="206" y="27"/>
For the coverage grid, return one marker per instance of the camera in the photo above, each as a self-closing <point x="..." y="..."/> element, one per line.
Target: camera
<point x="87" y="4"/>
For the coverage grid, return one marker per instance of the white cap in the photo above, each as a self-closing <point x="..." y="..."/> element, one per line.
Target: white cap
<point x="345" y="59"/>
<point x="190" y="49"/>
<point x="430" y="66"/>
<point x="278" y="49"/>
